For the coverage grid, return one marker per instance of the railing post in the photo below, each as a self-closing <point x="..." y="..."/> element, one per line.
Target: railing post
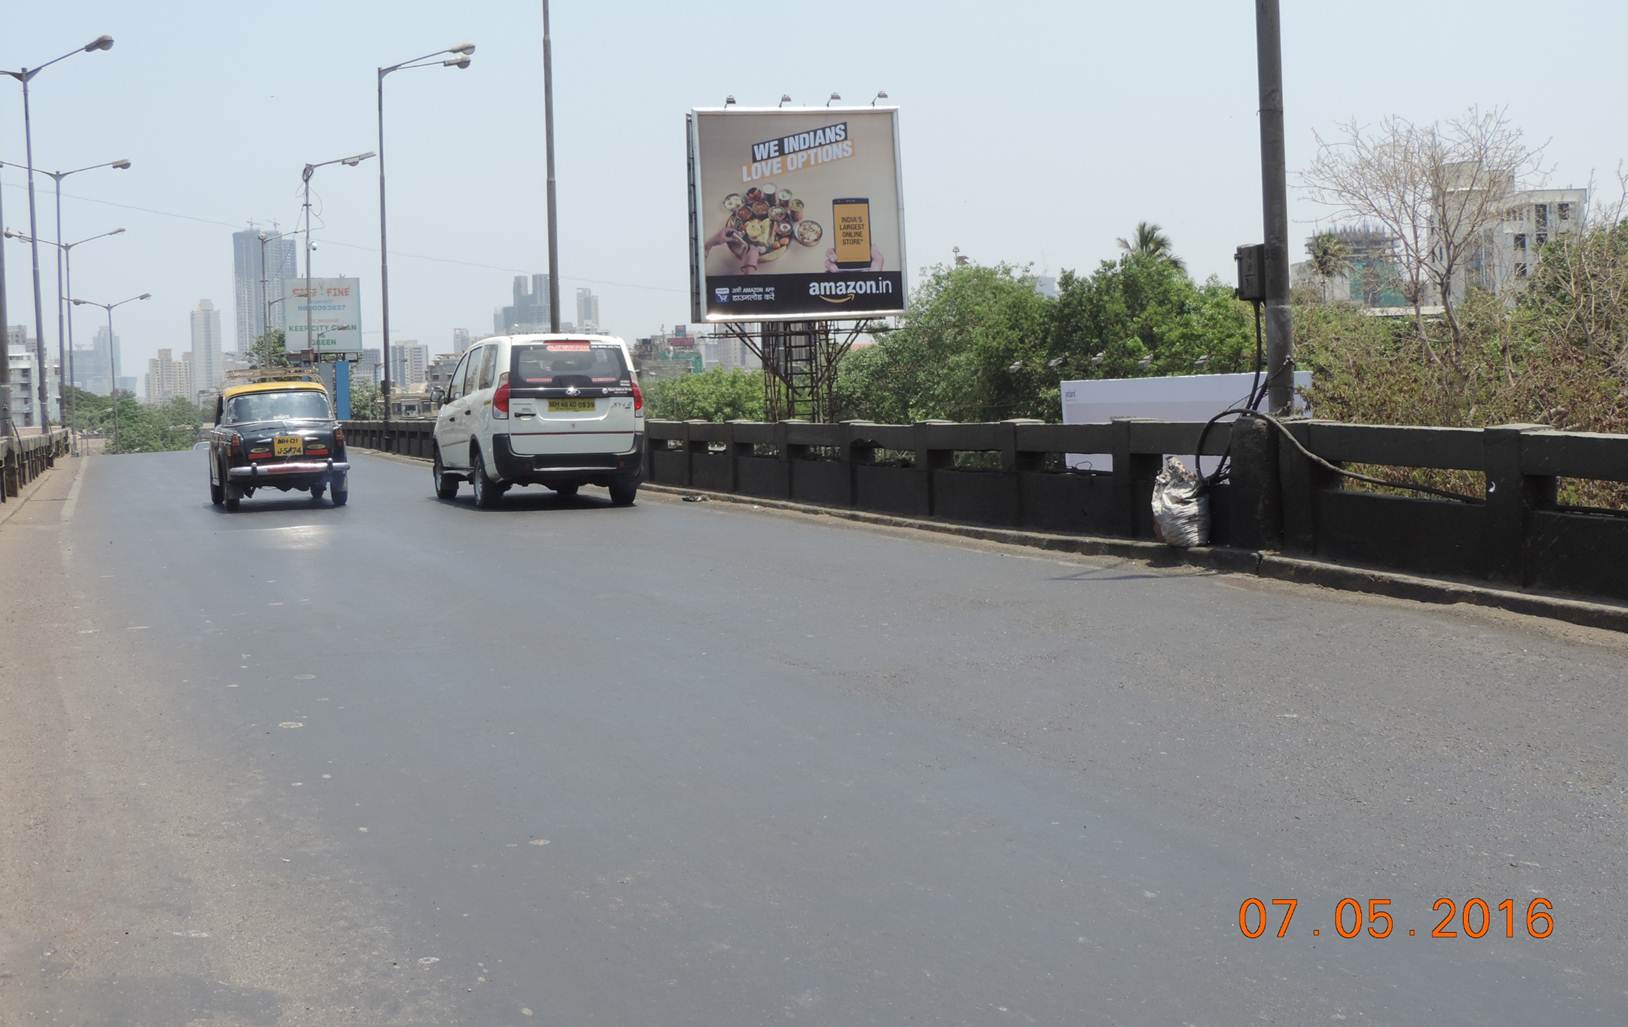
<point x="1131" y="468"/>
<point x="1511" y="498"/>
<point x="1256" y="519"/>
<point x="784" y="451"/>
<point x="1013" y="465"/>
<point x="856" y="452"/>
<point x="1299" y="482"/>
<point x="692" y="446"/>
<point x="682" y="430"/>
<point x="929" y="459"/>
<point x="733" y="449"/>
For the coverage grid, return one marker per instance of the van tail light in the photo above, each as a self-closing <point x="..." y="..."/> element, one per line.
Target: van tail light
<point x="500" y="398"/>
<point x="638" y="397"/>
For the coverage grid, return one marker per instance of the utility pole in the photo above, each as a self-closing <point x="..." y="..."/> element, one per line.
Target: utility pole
<point x="5" y="343"/>
<point x="548" y="135"/>
<point x="1274" y="209"/>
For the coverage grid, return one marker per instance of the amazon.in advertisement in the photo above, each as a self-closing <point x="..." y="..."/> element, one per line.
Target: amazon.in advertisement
<point x="796" y="213"/>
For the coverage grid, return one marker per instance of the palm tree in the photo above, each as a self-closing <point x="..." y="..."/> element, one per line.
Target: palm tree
<point x="1330" y="257"/>
<point x="1150" y="241"/>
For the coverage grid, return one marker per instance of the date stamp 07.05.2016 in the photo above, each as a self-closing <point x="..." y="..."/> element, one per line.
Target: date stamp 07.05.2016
<point x="1372" y="918"/>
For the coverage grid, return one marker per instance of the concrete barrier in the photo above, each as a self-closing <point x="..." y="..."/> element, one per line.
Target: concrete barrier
<point x="1012" y="474"/>
<point x="25" y="457"/>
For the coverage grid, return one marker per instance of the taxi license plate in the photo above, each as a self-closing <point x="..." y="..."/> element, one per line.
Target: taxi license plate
<point x="571" y="406"/>
<point x="287" y="445"/>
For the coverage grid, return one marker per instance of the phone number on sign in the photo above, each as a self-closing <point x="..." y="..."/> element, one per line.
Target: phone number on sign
<point x="1352" y="918"/>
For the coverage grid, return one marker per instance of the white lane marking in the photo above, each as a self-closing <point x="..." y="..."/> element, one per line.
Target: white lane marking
<point x="72" y="501"/>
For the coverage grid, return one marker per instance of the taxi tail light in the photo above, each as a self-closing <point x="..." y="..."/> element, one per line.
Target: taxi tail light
<point x="500" y="398"/>
<point x="237" y="445"/>
<point x="339" y="438"/>
<point x="638" y="397"/>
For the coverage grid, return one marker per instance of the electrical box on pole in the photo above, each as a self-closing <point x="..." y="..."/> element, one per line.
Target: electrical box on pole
<point x="1251" y="261"/>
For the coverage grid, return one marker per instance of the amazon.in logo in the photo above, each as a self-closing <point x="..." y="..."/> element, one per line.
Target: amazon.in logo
<point x="722" y="292"/>
<point x="844" y="291"/>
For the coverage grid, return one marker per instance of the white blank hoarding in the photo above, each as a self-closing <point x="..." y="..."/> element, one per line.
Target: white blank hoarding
<point x="1196" y="397"/>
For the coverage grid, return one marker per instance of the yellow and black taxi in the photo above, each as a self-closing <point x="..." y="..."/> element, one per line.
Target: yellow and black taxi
<point x="276" y="435"/>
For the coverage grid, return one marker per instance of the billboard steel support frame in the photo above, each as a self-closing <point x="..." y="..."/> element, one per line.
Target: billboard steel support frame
<point x="799" y="361"/>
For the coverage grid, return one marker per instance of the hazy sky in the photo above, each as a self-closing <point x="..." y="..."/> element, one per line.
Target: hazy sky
<point x="1031" y="131"/>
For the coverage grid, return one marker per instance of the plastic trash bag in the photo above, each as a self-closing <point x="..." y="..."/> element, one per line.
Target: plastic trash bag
<point x="1181" y="506"/>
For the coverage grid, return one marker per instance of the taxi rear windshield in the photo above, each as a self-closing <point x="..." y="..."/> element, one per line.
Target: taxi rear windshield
<point x="293" y="405"/>
<point x="548" y="365"/>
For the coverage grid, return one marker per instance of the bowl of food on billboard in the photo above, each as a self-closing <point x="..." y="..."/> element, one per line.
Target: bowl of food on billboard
<point x="798" y="212"/>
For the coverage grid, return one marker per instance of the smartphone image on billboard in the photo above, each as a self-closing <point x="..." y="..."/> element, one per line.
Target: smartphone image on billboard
<point x="852" y="218"/>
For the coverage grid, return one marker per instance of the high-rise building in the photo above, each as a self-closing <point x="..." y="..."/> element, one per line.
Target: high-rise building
<point x="168" y="378"/>
<point x="95" y="367"/>
<point x="207" y="366"/>
<point x="23" y="360"/>
<point x="253" y="283"/>
<point x="368" y="368"/>
<point x="529" y="312"/>
<point x="409" y="363"/>
<point x="460" y="340"/>
<point x="587" y="311"/>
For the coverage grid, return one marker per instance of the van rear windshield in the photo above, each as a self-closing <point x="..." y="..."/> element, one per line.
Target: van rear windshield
<point x="546" y="365"/>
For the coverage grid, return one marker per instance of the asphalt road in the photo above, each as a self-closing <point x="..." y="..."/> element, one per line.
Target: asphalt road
<point x="407" y="762"/>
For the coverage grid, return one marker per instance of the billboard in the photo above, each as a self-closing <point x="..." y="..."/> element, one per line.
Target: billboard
<point x="335" y="311"/>
<point x="796" y="214"/>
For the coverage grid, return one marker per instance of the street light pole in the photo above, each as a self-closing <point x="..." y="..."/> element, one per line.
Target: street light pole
<point x="65" y="264"/>
<point x="34" y="253"/>
<point x="548" y="136"/>
<point x="25" y="76"/>
<point x="461" y="54"/>
<point x="5" y="343"/>
<point x="310" y="169"/>
<point x="65" y="375"/>
<point x="113" y="366"/>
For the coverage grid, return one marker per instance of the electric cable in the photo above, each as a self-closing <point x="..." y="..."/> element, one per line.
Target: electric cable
<point x="1321" y="462"/>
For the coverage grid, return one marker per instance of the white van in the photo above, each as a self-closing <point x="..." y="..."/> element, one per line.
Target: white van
<point x="556" y="410"/>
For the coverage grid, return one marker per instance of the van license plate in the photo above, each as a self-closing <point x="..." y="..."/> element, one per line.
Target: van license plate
<point x="571" y="406"/>
<point x="288" y="445"/>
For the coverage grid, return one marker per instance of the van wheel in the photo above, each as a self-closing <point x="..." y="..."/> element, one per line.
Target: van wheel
<point x="486" y="491"/>
<point x="623" y="491"/>
<point x="446" y="485"/>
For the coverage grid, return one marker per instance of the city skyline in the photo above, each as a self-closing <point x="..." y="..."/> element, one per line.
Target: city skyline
<point x="455" y="236"/>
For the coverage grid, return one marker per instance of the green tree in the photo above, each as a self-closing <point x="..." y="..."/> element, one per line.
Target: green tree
<point x="980" y="343"/>
<point x="1141" y="316"/>
<point x="365" y="401"/>
<point x="715" y="395"/>
<point x="1149" y="240"/>
<point x="157" y="428"/>
<point x="269" y="350"/>
<point x="1330" y="258"/>
<point x="972" y="348"/>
